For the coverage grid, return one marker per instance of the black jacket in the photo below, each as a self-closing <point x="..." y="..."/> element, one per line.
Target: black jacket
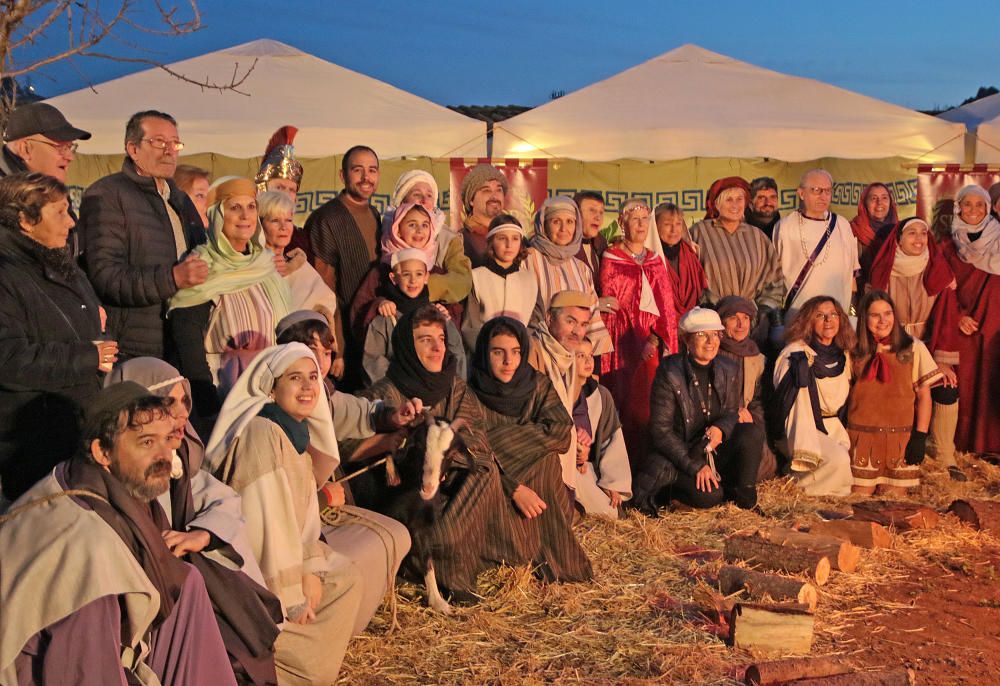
<point x="129" y="254"/>
<point x="48" y="361"/>
<point x="676" y="421"/>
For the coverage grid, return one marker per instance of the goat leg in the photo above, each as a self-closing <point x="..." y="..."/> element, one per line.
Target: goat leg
<point x="435" y="600"/>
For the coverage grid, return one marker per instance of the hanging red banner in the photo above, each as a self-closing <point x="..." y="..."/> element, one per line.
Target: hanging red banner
<point x="937" y="187"/>
<point x="527" y="188"/>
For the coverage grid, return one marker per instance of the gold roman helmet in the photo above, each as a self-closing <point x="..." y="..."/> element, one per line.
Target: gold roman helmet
<point x="279" y="159"/>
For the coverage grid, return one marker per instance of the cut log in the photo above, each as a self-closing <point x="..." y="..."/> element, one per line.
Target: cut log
<point x="863" y="534"/>
<point x="981" y="514"/>
<point x="903" y="516"/>
<point x="843" y="555"/>
<point x="758" y="584"/>
<point x="772" y="628"/>
<point x="778" y="672"/>
<point x="893" y="677"/>
<point x="754" y="549"/>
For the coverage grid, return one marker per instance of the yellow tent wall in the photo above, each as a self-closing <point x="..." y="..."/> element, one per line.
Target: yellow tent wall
<point x="683" y="182"/>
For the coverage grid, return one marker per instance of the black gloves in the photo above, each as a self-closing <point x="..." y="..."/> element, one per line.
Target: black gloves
<point x="916" y="447"/>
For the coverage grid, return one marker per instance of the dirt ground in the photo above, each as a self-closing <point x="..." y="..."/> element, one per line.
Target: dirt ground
<point x="930" y="603"/>
<point x="946" y="626"/>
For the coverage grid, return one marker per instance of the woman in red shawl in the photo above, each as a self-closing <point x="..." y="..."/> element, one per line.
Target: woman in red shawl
<point x="643" y="328"/>
<point x="979" y="341"/>
<point x="687" y="277"/>
<point x="877" y="217"/>
<point x="910" y="267"/>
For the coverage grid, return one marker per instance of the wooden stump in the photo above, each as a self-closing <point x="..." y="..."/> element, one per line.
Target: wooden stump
<point x="903" y="516"/>
<point x="778" y="672"/>
<point x="755" y="549"/>
<point x="981" y="514"/>
<point x="843" y="555"/>
<point x="758" y="584"/>
<point x="772" y="628"/>
<point x="862" y="534"/>
<point x="894" y="677"/>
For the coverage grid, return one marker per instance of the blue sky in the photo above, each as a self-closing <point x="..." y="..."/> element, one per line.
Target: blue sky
<point x="919" y="54"/>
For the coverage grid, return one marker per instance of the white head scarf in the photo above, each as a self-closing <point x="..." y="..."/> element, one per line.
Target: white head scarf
<point x="253" y="390"/>
<point x="408" y="180"/>
<point x="984" y="252"/>
<point x="911" y="265"/>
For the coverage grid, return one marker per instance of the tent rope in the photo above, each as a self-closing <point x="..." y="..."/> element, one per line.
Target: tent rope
<point x="960" y="135"/>
<point x="462" y="145"/>
<point x="525" y="140"/>
<point x="983" y="140"/>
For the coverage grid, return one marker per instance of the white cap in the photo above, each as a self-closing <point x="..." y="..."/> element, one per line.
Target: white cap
<point x="407" y="254"/>
<point x="701" y="319"/>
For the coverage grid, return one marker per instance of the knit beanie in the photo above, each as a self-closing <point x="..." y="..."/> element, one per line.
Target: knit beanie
<point x="478" y="177"/>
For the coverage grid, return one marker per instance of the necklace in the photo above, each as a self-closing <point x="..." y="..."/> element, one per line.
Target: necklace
<point x="703" y="400"/>
<point x="825" y="254"/>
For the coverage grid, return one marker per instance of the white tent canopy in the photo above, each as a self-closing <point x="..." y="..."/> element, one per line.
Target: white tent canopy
<point x="333" y="107"/>
<point x="975" y="113"/>
<point x="691" y="102"/>
<point x="982" y="117"/>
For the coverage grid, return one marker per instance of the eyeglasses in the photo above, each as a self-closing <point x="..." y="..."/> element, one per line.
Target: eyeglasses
<point x="704" y="336"/>
<point x="829" y="317"/>
<point x="61" y="148"/>
<point x="161" y="144"/>
<point x="816" y="190"/>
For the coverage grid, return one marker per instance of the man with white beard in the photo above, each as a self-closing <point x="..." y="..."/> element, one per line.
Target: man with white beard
<point x="816" y="248"/>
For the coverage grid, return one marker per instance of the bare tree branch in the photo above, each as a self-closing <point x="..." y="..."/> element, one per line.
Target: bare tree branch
<point x="233" y="85"/>
<point x="35" y="33"/>
<point x="89" y="25"/>
<point x="76" y="47"/>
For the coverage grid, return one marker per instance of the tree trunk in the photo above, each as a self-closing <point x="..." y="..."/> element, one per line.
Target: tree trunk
<point x="903" y="516"/>
<point x="772" y="628"/>
<point x="758" y="584"/>
<point x="755" y="549"/>
<point x="843" y="555"/>
<point x="894" y="677"/>
<point x="778" y="672"/>
<point x="863" y="534"/>
<point x="981" y="514"/>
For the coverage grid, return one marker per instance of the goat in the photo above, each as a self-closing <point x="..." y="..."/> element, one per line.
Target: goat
<point x="412" y="495"/>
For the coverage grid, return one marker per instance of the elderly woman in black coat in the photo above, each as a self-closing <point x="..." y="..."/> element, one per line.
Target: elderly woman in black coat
<point x="51" y="353"/>
<point x="700" y="446"/>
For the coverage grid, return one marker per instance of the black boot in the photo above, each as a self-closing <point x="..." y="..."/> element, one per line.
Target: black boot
<point x="745" y="497"/>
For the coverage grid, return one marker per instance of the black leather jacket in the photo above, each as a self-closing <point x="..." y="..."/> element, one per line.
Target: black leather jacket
<point x="676" y="421"/>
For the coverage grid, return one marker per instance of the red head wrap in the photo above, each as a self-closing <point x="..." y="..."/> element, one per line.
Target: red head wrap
<point x="711" y="211"/>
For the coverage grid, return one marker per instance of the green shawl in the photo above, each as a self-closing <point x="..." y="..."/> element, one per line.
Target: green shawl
<point x="230" y="271"/>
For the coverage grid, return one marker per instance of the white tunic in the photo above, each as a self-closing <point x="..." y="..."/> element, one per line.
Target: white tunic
<point x="795" y="238"/>
<point x="824" y="458"/>
<point x="493" y="295"/>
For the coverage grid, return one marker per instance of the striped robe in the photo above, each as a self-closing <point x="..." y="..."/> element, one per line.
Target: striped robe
<point x="742" y="263"/>
<point x="241" y="325"/>
<point x="337" y="240"/>
<point x="477" y="527"/>
<point x="567" y="275"/>
<point x="528" y="448"/>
